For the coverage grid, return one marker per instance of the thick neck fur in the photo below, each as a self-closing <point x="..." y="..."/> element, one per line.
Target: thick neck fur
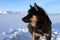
<point x="34" y="21"/>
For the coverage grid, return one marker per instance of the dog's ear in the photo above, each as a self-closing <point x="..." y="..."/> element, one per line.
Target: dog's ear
<point x="36" y="6"/>
<point x="30" y="6"/>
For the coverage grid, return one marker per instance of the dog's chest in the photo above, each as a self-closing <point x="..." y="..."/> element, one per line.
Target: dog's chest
<point x="33" y="24"/>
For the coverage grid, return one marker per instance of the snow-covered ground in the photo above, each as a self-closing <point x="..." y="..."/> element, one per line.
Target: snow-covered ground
<point x="23" y="34"/>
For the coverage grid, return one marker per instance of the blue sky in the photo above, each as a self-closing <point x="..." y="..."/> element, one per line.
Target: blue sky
<point x="50" y="6"/>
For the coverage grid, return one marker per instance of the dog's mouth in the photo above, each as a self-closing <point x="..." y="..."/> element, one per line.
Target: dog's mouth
<point x="26" y="20"/>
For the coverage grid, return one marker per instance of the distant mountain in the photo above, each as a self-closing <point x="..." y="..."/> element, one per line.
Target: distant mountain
<point x="18" y="35"/>
<point x="56" y="26"/>
<point x="23" y="36"/>
<point x="26" y="35"/>
<point x="11" y="12"/>
<point x="55" y="18"/>
<point x="3" y="12"/>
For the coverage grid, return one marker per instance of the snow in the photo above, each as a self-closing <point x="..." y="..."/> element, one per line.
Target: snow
<point x="3" y="12"/>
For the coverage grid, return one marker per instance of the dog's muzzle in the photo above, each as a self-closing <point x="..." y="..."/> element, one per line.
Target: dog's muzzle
<point x="26" y="20"/>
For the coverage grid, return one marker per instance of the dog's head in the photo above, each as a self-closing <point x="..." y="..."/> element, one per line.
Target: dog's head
<point x="35" y="13"/>
<point x="32" y="14"/>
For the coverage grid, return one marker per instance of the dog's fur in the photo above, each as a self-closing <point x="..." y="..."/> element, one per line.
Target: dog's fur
<point x="39" y="23"/>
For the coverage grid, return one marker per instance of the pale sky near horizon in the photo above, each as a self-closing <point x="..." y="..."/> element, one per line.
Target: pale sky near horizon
<point x="50" y="6"/>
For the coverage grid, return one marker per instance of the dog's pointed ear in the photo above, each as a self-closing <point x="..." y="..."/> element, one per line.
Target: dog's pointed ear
<point x="36" y="6"/>
<point x="30" y="6"/>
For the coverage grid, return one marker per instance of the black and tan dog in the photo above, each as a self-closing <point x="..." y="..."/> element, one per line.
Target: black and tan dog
<point x="39" y="23"/>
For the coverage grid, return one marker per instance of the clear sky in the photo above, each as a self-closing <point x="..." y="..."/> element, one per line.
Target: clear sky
<point x="50" y="6"/>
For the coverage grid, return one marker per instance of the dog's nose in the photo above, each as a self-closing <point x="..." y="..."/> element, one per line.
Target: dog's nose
<point x="22" y="19"/>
